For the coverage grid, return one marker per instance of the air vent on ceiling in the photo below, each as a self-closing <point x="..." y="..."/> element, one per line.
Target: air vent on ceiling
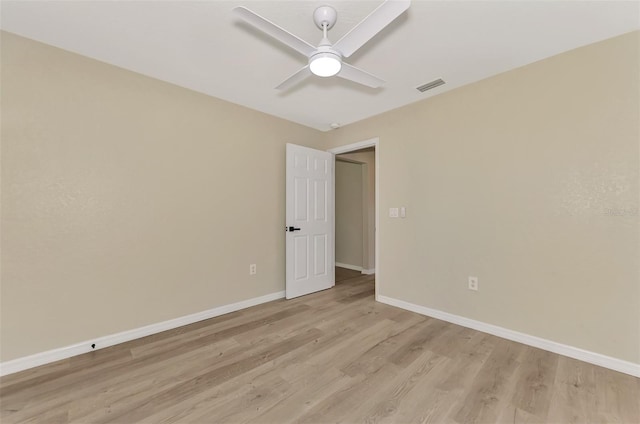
<point x="430" y="85"/>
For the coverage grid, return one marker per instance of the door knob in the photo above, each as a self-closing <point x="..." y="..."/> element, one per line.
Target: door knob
<point x="291" y="229"/>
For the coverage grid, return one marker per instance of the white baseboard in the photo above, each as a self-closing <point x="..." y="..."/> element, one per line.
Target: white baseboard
<point x="369" y="271"/>
<point x="31" y="361"/>
<point x="548" y="345"/>
<point x="347" y="266"/>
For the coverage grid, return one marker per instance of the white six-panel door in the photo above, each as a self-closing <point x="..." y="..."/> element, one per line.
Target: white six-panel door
<point x="310" y="250"/>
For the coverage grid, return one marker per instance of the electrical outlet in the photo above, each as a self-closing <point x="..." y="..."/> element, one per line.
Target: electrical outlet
<point x="473" y="283"/>
<point x="253" y="270"/>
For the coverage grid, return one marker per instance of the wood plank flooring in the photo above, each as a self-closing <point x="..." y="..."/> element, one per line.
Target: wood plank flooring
<point x="334" y="356"/>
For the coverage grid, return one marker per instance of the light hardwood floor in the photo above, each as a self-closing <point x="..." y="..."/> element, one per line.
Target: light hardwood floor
<point x="334" y="356"/>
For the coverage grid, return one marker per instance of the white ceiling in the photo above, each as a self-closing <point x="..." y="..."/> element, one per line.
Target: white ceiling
<point x="201" y="45"/>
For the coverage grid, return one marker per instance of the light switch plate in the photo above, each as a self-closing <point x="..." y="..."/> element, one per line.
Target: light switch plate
<point x="403" y="212"/>
<point x="393" y="212"/>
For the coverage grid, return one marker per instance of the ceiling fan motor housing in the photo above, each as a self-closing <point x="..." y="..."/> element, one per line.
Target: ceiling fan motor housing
<point x="325" y="16"/>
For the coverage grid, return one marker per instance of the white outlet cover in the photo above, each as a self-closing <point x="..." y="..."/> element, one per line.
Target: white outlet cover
<point x="473" y="283"/>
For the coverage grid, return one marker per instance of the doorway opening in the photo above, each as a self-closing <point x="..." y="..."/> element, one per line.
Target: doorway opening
<point x="356" y="211"/>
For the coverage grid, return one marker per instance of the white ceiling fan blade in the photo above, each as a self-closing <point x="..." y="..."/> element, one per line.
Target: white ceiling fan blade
<point x="294" y="79"/>
<point x="354" y="74"/>
<point x="370" y="26"/>
<point x="275" y="31"/>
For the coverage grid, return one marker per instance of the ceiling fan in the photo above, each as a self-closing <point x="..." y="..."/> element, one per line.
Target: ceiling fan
<point x="326" y="59"/>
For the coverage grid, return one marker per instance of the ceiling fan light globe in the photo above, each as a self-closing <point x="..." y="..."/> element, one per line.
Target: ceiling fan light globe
<point x="325" y="65"/>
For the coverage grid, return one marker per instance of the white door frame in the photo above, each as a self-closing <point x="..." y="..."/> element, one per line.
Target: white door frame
<point x="372" y="142"/>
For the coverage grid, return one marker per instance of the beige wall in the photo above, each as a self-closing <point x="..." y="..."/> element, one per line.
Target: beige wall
<point x="349" y="213"/>
<point x="528" y="180"/>
<point x="368" y="159"/>
<point x="119" y="206"/>
<point x="127" y="201"/>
